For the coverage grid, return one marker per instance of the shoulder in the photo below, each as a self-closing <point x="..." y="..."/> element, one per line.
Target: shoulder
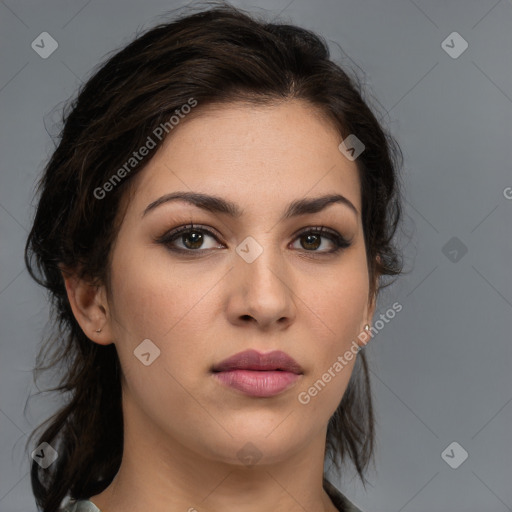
<point x="80" y="506"/>
<point x="340" y="501"/>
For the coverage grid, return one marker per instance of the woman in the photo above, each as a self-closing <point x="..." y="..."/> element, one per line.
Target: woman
<point x="213" y="228"/>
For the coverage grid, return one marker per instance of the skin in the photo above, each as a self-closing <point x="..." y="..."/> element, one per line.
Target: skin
<point x="183" y="429"/>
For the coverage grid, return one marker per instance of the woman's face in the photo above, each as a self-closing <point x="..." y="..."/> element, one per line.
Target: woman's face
<point x="258" y="281"/>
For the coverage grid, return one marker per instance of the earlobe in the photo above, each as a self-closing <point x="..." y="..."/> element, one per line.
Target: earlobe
<point x="88" y="305"/>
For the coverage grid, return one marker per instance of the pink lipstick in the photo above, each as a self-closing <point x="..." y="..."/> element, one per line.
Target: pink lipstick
<point x="258" y="374"/>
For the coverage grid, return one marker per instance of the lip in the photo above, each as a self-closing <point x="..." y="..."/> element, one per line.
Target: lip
<point x="254" y="360"/>
<point x="258" y="374"/>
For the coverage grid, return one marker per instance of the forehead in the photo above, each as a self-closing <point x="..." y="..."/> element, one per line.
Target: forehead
<point x="253" y="155"/>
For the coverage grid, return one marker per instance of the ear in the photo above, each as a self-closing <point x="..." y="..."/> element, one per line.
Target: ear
<point x="90" y="307"/>
<point x="365" y="335"/>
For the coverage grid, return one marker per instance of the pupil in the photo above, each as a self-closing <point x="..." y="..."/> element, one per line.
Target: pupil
<point x="192" y="235"/>
<point x="309" y="238"/>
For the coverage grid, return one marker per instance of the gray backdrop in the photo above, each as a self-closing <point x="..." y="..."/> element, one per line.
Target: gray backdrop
<point x="441" y="367"/>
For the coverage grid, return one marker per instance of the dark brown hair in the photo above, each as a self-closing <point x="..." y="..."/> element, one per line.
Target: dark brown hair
<point x="218" y="54"/>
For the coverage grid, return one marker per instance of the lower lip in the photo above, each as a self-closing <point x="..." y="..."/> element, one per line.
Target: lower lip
<point x="258" y="383"/>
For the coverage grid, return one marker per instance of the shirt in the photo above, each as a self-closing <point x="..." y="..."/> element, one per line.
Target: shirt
<point x="340" y="501"/>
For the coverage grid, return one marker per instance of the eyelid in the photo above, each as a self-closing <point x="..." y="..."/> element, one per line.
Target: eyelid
<point x="190" y="227"/>
<point x="318" y="229"/>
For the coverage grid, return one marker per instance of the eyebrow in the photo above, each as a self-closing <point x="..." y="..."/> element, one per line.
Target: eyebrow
<point x="217" y="204"/>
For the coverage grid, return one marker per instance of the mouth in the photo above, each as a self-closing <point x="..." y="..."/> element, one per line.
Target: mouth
<point x="258" y="374"/>
<point x="275" y="360"/>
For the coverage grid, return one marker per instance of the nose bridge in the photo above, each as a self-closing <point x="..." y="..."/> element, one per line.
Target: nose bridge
<point x="259" y="262"/>
<point x="262" y="280"/>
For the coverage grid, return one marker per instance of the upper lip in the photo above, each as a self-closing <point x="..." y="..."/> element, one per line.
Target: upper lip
<point x="254" y="360"/>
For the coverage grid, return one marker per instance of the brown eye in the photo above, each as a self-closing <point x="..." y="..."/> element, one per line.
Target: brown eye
<point x="195" y="237"/>
<point x="192" y="239"/>
<point x="311" y="240"/>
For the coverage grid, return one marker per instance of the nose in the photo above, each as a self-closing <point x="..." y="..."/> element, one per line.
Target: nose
<point x="262" y="292"/>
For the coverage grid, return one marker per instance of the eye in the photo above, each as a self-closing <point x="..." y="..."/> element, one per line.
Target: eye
<point x="311" y="239"/>
<point x="192" y="237"/>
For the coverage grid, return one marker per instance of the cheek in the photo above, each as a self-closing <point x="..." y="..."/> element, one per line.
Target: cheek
<point x="153" y="303"/>
<point x="341" y="300"/>
<point x="149" y="296"/>
<point x="165" y="305"/>
<point x="339" y="307"/>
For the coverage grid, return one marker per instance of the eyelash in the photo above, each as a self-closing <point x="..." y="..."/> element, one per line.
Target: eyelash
<point x="339" y="241"/>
